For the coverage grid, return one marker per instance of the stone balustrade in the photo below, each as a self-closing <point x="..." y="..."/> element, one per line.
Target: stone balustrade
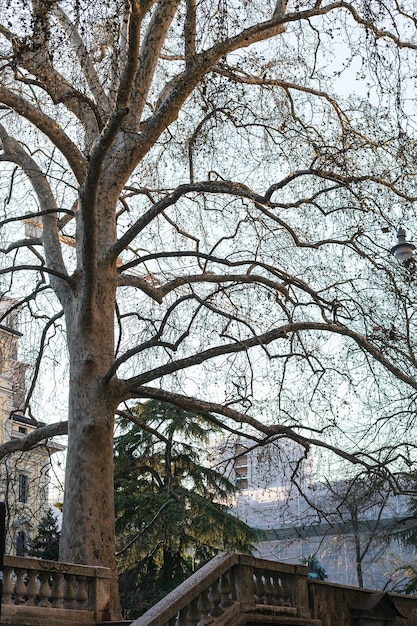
<point x="48" y="592"/>
<point x="232" y="584"/>
<point x="230" y="590"/>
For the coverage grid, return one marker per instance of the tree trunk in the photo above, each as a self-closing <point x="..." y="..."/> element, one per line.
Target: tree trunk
<point x="88" y="525"/>
<point x="88" y="534"/>
<point x="358" y="554"/>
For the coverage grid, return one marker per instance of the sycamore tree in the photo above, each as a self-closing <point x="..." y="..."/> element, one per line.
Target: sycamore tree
<point x="198" y="202"/>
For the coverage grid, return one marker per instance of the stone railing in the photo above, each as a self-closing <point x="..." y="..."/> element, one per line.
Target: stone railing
<point x="48" y="592"/>
<point x="231" y="585"/>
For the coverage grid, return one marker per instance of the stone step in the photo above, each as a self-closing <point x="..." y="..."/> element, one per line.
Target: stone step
<point x="276" y="614"/>
<point x="280" y="620"/>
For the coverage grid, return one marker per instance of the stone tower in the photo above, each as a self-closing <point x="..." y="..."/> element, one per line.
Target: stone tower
<point x="24" y="476"/>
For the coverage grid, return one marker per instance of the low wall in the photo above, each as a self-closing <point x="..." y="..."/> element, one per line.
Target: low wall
<point x="230" y="590"/>
<point x="42" y="593"/>
<point x="237" y="590"/>
<point x="336" y="605"/>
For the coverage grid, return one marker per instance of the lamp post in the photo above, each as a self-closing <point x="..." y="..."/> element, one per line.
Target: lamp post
<point x="403" y="250"/>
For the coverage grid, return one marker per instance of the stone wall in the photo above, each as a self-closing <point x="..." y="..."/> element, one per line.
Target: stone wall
<point x="337" y="605"/>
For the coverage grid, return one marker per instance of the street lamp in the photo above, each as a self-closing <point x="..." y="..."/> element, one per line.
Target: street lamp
<point x="403" y="250"/>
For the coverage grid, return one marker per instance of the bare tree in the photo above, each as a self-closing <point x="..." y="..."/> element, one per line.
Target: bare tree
<point x="202" y="215"/>
<point x="364" y="512"/>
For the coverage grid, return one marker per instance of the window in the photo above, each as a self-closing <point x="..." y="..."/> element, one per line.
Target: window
<point x="23" y="488"/>
<point x="241" y="467"/>
<point x="241" y="480"/>
<point x="23" y="430"/>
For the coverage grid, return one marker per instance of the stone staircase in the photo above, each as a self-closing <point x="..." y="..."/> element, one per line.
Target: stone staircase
<point x="230" y="590"/>
<point x="234" y="590"/>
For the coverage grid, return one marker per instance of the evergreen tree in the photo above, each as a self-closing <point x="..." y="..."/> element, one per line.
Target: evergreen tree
<point x="46" y="544"/>
<point x="171" y="514"/>
<point x="407" y="535"/>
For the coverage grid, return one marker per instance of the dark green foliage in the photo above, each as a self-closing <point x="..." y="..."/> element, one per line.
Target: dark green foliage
<point x="46" y="544"/>
<point x="169" y="513"/>
<point x="408" y="584"/>
<point x="407" y="535"/>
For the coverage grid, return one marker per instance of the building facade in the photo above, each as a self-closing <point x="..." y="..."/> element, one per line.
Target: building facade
<point x="350" y="526"/>
<point x="24" y="476"/>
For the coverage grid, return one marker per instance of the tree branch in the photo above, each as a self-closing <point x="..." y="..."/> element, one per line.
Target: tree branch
<point x="128" y="386"/>
<point x="38" y="268"/>
<point x="14" y="152"/>
<point x="33" y="54"/>
<point x="149" y="56"/>
<point x="206" y="409"/>
<point x="190" y="32"/>
<point x="49" y="127"/>
<point x="39" y="357"/>
<point x="226" y="187"/>
<point x="34" y="438"/>
<point x="145" y="528"/>
<point x="85" y="62"/>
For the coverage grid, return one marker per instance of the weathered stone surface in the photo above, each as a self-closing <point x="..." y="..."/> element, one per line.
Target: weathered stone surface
<point x="231" y="590"/>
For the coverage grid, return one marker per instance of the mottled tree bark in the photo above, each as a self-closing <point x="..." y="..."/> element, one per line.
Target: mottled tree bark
<point x="225" y="287"/>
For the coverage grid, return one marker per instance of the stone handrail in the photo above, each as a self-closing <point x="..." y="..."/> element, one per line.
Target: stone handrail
<point x="231" y="584"/>
<point x="53" y="592"/>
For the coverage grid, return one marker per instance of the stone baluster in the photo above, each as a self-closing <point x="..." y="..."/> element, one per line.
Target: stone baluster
<point x="259" y="587"/>
<point x="204" y="606"/>
<point x="36" y="584"/>
<point x="276" y="588"/>
<point x="225" y="589"/>
<point x="182" y="617"/>
<point x="269" y="588"/>
<point x="20" y="586"/>
<point x="243" y="583"/>
<point x="32" y="587"/>
<point x="45" y="589"/>
<point x="215" y="599"/>
<point x="69" y="595"/>
<point x="193" y="613"/>
<point x="286" y="591"/>
<point x="8" y="586"/>
<point x="81" y="594"/>
<point x="58" y="590"/>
